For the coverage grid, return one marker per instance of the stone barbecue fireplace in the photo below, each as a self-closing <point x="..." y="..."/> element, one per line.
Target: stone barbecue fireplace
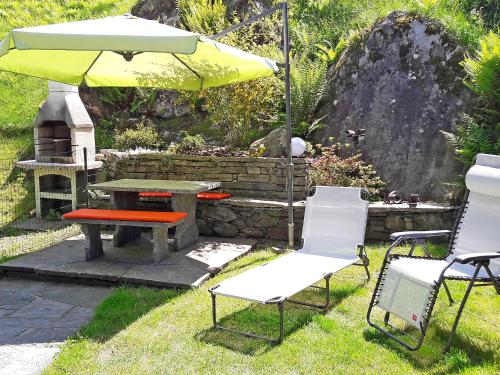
<point x="63" y="127"/>
<point x="63" y="130"/>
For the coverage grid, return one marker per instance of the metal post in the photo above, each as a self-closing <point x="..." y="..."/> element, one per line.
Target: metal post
<point x="286" y="49"/>
<point x="289" y="175"/>
<point x="281" y="306"/>
<point x="85" y="176"/>
<point x="214" y="310"/>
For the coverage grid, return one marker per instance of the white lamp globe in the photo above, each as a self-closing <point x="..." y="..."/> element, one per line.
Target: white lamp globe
<point x="298" y="146"/>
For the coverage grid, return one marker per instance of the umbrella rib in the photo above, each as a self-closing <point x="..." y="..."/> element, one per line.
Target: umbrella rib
<point x="92" y="64"/>
<point x="191" y="69"/>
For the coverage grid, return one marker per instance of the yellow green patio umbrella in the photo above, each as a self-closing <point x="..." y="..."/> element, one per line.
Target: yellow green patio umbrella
<point x="127" y="51"/>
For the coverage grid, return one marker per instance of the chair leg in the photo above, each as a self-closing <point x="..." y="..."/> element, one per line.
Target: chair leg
<point x="495" y="282"/>
<point x="327" y="297"/>
<point x="412" y="248"/>
<point x="279" y="340"/>
<point x="424" y="247"/>
<point x="461" y="308"/>
<point x="448" y="293"/>
<point x="366" y="263"/>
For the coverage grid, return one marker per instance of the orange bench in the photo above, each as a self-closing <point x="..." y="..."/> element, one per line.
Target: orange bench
<point x="203" y="196"/>
<point x="91" y="220"/>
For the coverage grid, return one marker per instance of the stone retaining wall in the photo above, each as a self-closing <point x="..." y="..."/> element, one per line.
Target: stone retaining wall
<point x="258" y="208"/>
<point x="268" y="220"/>
<point x="240" y="176"/>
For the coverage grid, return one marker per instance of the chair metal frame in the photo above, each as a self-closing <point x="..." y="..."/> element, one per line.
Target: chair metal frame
<point x="280" y="302"/>
<point x="419" y="240"/>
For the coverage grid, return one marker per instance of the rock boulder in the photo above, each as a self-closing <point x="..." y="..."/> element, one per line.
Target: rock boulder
<point x="403" y="83"/>
<point x="272" y="145"/>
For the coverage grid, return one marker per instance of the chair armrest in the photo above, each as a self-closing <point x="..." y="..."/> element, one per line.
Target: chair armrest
<point x="475" y="257"/>
<point x="419" y="234"/>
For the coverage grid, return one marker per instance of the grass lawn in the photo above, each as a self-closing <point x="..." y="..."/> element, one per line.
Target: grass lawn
<point x="151" y="331"/>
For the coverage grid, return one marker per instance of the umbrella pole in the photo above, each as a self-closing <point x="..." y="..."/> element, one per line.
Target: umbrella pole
<point x="288" y="106"/>
<point x="286" y="50"/>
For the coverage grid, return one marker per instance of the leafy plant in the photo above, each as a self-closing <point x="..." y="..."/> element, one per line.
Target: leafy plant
<point x="330" y="54"/>
<point x="144" y="136"/>
<point x="132" y="100"/>
<point x="331" y="169"/>
<point x="307" y="84"/>
<point x="53" y="215"/>
<point x="244" y="109"/>
<point x="305" y="130"/>
<point x="203" y="16"/>
<point x="480" y="131"/>
<point x="188" y="144"/>
<point x="104" y="134"/>
<point x="469" y="139"/>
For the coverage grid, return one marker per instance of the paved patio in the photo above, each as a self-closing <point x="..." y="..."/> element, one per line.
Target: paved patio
<point x="35" y="317"/>
<point x="131" y="264"/>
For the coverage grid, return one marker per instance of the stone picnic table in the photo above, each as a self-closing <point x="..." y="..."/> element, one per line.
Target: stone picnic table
<point x="125" y="196"/>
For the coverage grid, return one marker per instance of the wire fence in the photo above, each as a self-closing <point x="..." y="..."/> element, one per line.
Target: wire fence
<point x="34" y="194"/>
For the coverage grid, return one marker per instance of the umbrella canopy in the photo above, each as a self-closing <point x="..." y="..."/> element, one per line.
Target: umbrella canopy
<point x="127" y="51"/>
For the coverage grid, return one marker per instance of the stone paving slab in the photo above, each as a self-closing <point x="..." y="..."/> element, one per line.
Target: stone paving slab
<point x="132" y="263"/>
<point x="36" y="316"/>
<point x="26" y="359"/>
<point x="42" y="307"/>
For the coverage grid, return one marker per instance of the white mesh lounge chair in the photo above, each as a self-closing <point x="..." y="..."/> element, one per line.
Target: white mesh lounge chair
<point x="408" y="286"/>
<point x="333" y="236"/>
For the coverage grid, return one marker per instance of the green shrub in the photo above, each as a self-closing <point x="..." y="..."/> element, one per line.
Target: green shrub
<point x="244" y="111"/>
<point x="203" y="16"/>
<point x="305" y="130"/>
<point x="307" y="85"/>
<point x="330" y="169"/>
<point x="470" y="139"/>
<point x="313" y="21"/>
<point x="144" y="136"/>
<point x="104" y="134"/>
<point x="330" y="54"/>
<point x="133" y="100"/>
<point x="188" y="144"/>
<point x="480" y="131"/>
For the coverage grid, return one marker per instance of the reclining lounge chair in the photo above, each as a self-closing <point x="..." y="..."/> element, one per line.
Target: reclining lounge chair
<point x="408" y="286"/>
<point x="333" y="237"/>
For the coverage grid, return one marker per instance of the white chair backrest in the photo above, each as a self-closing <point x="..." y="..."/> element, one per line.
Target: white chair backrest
<point x="334" y="221"/>
<point x="479" y="230"/>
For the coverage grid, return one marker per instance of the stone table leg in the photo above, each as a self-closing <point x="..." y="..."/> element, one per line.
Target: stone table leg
<point x="160" y="243"/>
<point x="93" y="245"/>
<point x="187" y="232"/>
<point x="125" y="200"/>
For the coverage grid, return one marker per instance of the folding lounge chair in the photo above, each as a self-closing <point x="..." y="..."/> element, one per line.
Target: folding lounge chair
<point x="333" y="236"/>
<point x="408" y="285"/>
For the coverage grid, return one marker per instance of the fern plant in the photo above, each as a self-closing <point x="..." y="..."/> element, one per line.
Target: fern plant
<point x="308" y="84"/>
<point x="480" y="132"/>
<point x="470" y="138"/>
<point x="203" y="16"/>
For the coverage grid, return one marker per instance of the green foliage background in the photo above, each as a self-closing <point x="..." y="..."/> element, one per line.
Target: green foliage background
<point x="320" y="30"/>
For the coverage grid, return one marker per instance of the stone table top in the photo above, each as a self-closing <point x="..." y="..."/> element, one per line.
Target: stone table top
<point x="172" y="186"/>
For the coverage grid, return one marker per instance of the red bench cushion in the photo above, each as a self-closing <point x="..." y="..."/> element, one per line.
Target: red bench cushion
<point x="212" y="196"/>
<point x="204" y="196"/>
<point x="155" y="194"/>
<point x="125" y="215"/>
